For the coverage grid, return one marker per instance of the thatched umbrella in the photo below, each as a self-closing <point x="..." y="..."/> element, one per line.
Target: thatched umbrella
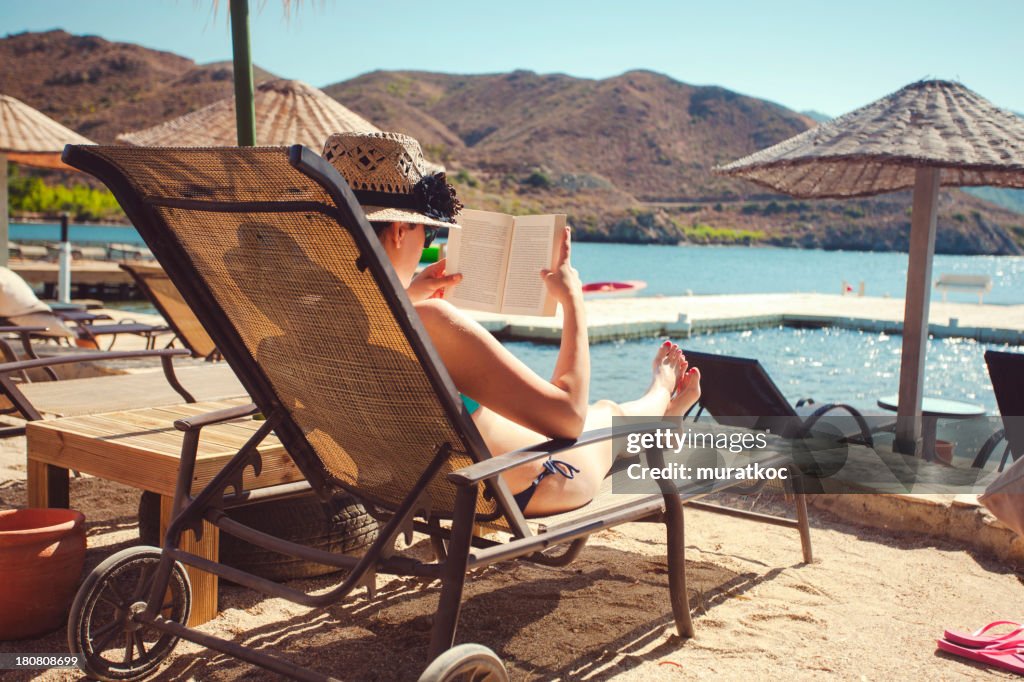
<point x="287" y="112"/>
<point x="31" y="138"/>
<point x="927" y="135"/>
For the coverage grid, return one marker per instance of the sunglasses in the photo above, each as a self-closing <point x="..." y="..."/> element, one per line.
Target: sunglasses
<point x="429" y="234"/>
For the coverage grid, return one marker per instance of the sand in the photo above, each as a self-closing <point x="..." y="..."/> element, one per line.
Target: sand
<point x="869" y="607"/>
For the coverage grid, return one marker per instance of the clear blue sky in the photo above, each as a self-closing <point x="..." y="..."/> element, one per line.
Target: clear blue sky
<point x="826" y="55"/>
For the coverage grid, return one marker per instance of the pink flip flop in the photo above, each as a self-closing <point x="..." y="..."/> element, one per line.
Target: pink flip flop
<point x="979" y="640"/>
<point x="1008" y="658"/>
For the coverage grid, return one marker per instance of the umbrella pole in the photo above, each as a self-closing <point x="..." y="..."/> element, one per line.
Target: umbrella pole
<point x="915" y="313"/>
<point x="245" y="104"/>
<point x="64" y="267"/>
<point x="4" y="215"/>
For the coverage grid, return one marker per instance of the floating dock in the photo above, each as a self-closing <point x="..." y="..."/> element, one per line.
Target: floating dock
<point x="684" y="316"/>
<point x="614" y="319"/>
<point x="89" y="278"/>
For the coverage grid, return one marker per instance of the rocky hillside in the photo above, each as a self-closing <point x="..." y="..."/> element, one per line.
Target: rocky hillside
<point x="628" y="157"/>
<point x="100" y="88"/>
<point x="642" y="133"/>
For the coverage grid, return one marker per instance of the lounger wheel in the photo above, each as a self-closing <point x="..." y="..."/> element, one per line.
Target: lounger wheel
<point x="102" y="627"/>
<point x="466" y="663"/>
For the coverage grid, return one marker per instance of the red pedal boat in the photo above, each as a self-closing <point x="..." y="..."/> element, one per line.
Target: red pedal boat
<point x="629" y="287"/>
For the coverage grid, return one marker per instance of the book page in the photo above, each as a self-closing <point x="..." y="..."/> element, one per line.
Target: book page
<point x="532" y="250"/>
<point x="479" y="251"/>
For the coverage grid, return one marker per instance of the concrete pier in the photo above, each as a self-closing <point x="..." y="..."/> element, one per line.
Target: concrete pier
<point x="89" y="278"/>
<point x="682" y="316"/>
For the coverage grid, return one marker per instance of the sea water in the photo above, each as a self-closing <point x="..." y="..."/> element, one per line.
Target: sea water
<point x="678" y="270"/>
<point x="826" y="364"/>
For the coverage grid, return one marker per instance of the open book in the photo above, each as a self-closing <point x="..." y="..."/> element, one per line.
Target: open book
<point x="500" y="258"/>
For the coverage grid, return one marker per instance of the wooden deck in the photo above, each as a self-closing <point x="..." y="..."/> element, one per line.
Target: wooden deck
<point x="91" y="272"/>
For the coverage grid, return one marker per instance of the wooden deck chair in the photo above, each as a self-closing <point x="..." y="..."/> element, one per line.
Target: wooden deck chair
<point x="155" y="285"/>
<point x="271" y="250"/>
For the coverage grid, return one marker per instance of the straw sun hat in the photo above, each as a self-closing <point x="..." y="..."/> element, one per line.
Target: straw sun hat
<point x="392" y="180"/>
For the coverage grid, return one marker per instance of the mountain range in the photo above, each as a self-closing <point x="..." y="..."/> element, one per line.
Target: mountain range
<point x="627" y="157"/>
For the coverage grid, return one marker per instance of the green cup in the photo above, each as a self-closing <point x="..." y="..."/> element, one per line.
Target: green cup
<point x="431" y="254"/>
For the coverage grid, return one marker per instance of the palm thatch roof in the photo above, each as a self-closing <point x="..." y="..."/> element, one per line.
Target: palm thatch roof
<point x="30" y="137"/>
<point x="876" y="149"/>
<point x="287" y="112"/>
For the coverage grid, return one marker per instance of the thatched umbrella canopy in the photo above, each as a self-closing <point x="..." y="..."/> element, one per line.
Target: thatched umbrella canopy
<point x="287" y="112"/>
<point x="29" y="137"/>
<point x="927" y="135"/>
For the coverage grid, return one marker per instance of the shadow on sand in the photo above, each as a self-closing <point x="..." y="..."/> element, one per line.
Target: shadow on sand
<point x="607" y="613"/>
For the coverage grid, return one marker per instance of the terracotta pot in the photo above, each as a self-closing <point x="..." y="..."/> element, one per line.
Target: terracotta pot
<point x="944" y="451"/>
<point x="41" y="557"/>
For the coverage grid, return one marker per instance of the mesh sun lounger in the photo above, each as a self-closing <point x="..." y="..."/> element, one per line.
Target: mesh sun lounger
<point x="738" y="392"/>
<point x="85" y="328"/>
<point x="1006" y="371"/>
<point x="154" y="283"/>
<point x="91" y="332"/>
<point x="270" y="249"/>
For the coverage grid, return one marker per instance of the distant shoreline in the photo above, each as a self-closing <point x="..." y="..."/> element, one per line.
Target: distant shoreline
<point x="579" y="236"/>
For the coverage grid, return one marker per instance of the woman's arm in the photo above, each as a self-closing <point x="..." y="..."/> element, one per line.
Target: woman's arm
<point x="572" y="369"/>
<point x="484" y="369"/>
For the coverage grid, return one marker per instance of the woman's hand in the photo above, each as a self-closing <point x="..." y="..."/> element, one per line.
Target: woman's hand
<point x="563" y="282"/>
<point x="431" y="282"/>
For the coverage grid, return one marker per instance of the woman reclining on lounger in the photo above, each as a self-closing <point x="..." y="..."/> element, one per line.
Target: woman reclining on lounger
<point x="511" y="405"/>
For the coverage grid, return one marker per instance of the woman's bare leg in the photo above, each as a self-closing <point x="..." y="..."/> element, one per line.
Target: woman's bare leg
<point x="558" y="493"/>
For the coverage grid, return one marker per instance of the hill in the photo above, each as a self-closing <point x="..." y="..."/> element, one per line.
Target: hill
<point x="101" y="88"/>
<point x="643" y="133"/>
<point x="816" y="115"/>
<point x="628" y="157"/>
<point x="1012" y="199"/>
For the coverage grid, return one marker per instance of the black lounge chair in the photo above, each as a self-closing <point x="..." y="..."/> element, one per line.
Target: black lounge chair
<point x="1006" y="371"/>
<point x="265" y="245"/>
<point x="738" y="392"/>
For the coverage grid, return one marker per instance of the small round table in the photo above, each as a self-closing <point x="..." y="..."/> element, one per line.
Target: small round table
<point x="933" y="409"/>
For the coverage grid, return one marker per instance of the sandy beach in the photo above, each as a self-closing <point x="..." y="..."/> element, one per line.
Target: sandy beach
<point x="869" y="607"/>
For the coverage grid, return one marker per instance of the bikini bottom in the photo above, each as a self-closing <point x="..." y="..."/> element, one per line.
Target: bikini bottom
<point x="551" y="466"/>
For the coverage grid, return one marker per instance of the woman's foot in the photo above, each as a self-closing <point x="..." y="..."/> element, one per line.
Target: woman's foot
<point x="664" y="378"/>
<point x="687" y="391"/>
<point x="664" y="372"/>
